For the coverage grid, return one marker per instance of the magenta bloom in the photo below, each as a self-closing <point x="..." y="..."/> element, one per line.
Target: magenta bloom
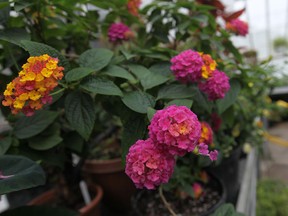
<point x="119" y="32"/>
<point x="215" y="86"/>
<point x="175" y="129"/>
<point x="147" y="165"/>
<point x="238" y="26"/>
<point x="187" y="66"/>
<point x="202" y="149"/>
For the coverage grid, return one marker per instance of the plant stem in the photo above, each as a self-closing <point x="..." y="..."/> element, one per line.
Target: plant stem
<point x="167" y="205"/>
<point x="57" y="92"/>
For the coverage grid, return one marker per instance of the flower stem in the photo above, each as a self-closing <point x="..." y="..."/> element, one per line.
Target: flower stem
<point x="167" y="205"/>
<point x="57" y="92"/>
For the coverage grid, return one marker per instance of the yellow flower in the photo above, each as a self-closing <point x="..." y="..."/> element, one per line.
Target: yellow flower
<point x="51" y="65"/>
<point x="7" y="92"/>
<point x="18" y="104"/>
<point x="34" y="95"/>
<point x="30" y="76"/>
<point x="282" y="103"/>
<point x="41" y="89"/>
<point x="24" y="97"/>
<point x="46" y="73"/>
<point x="39" y="78"/>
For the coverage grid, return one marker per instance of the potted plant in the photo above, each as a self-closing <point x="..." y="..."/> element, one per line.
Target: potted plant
<point x="72" y="98"/>
<point x="280" y="44"/>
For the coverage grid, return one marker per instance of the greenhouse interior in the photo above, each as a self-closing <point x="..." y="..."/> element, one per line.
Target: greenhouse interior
<point x="144" y="108"/>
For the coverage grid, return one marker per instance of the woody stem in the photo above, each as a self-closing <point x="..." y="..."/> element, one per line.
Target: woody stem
<point x="167" y="205"/>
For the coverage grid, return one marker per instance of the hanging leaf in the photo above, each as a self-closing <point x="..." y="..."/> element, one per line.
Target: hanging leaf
<point x="15" y="36"/>
<point x="37" y="49"/>
<point x="101" y="86"/>
<point x="5" y="143"/>
<point x="175" y="91"/>
<point x="116" y="71"/>
<point x="134" y="129"/>
<point x="96" y="59"/>
<point x="18" y="173"/>
<point x="202" y="101"/>
<point x="77" y="73"/>
<point x="181" y="102"/>
<point x="230" y="97"/>
<point x="138" y="101"/>
<point x="47" y="139"/>
<point x="147" y="78"/>
<point x="150" y="113"/>
<point x="26" y="127"/>
<point x="80" y="112"/>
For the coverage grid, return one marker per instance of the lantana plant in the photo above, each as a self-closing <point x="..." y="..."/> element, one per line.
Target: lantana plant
<point x="169" y="79"/>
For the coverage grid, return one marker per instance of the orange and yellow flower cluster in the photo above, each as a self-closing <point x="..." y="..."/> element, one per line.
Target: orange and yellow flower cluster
<point x="30" y="90"/>
<point x="133" y="7"/>
<point x="208" y="67"/>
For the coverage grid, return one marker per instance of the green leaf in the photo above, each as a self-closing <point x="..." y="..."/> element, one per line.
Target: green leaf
<point x="4" y="11"/>
<point x="175" y="91"/>
<point x="188" y="189"/>
<point x="96" y="59"/>
<point x="202" y="101"/>
<point x="46" y="140"/>
<point x="150" y="113"/>
<point x="230" y="97"/>
<point x="127" y="55"/>
<point x="26" y="127"/>
<point x="20" y="5"/>
<point x="134" y="129"/>
<point x="147" y="78"/>
<point x="138" y="101"/>
<point x="78" y="73"/>
<point x="37" y="49"/>
<point x="80" y="112"/>
<point x="116" y="71"/>
<point x="24" y="173"/>
<point x="14" y="35"/>
<point x="5" y="143"/>
<point x="162" y="68"/>
<point x="226" y="209"/>
<point x="101" y="86"/>
<point x="74" y="142"/>
<point x="181" y="102"/>
<point x="39" y="210"/>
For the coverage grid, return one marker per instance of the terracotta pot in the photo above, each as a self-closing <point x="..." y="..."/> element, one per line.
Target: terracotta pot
<point x="92" y="209"/>
<point x="117" y="186"/>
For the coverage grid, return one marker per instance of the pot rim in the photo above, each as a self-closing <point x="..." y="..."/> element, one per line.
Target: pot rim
<point x="103" y="166"/>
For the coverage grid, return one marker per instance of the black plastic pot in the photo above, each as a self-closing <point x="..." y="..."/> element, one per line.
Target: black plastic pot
<point x="137" y="200"/>
<point x="228" y="172"/>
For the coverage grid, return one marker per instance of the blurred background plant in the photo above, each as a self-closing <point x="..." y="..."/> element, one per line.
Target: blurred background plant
<point x="272" y="198"/>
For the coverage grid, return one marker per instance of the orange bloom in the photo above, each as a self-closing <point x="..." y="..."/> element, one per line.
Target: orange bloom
<point x="208" y="67"/>
<point x="206" y="134"/>
<point x="30" y="90"/>
<point x="133" y="7"/>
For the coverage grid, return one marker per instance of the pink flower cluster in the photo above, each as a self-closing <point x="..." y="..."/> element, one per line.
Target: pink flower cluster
<point x="174" y="130"/>
<point x="238" y="26"/>
<point x="187" y="66"/>
<point x="147" y="165"/>
<point x="190" y="66"/>
<point x="216" y="86"/>
<point x="119" y="32"/>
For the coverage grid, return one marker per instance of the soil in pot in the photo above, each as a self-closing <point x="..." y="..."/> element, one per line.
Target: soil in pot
<point x="53" y="198"/>
<point x="149" y="203"/>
